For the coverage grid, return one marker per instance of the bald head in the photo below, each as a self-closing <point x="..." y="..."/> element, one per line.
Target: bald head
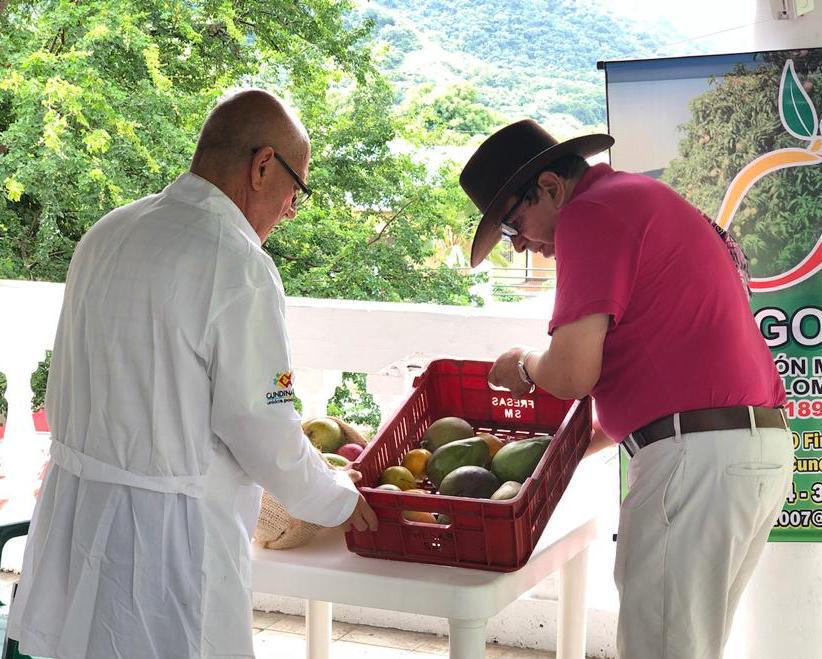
<point x="256" y="152"/>
<point x="242" y="123"/>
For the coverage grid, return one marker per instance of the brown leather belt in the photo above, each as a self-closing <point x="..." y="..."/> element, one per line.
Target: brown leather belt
<point x="719" y="418"/>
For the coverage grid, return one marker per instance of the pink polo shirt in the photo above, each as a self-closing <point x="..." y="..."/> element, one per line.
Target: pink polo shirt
<point x="682" y="335"/>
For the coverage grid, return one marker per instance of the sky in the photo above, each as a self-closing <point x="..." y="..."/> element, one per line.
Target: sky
<point x="711" y="22"/>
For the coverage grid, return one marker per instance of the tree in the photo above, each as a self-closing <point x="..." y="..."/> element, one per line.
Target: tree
<point x="101" y="101"/>
<point x="733" y="123"/>
<point x="447" y="116"/>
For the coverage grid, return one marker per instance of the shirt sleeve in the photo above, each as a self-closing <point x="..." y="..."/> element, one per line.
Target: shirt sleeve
<point x="253" y="413"/>
<point x="597" y="257"/>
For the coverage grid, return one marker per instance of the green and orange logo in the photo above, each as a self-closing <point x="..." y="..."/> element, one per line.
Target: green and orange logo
<point x="799" y="117"/>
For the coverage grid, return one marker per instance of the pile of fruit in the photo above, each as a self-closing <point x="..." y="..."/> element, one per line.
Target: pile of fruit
<point x="339" y="443"/>
<point x="452" y="460"/>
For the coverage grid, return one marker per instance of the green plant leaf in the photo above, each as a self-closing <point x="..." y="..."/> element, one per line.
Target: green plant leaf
<point x="796" y="109"/>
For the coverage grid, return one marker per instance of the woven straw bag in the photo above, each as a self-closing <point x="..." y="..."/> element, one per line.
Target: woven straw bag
<point x="276" y="529"/>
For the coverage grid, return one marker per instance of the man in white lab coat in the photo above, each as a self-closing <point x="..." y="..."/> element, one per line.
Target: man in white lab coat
<point x="170" y="403"/>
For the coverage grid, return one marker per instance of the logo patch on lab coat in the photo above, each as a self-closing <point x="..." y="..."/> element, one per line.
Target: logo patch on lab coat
<point x="283" y="391"/>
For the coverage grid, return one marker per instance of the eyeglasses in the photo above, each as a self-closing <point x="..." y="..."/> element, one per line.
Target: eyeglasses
<point x="301" y="195"/>
<point x="506" y="228"/>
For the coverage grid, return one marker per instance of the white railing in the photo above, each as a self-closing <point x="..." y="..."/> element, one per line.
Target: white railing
<point x="389" y="342"/>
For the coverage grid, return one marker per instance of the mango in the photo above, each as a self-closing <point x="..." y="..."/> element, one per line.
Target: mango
<point x="508" y="490"/>
<point x="416" y="461"/>
<point x="460" y="453"/>
<point x="444" y="431"/>
<point x="336" y="461"/>
<point x="398" y="476"/>
<point x="494" y="443"/>
<point x="469" y="481"/>
<point x="516" y="461"/>
<point x="325" y="434"/>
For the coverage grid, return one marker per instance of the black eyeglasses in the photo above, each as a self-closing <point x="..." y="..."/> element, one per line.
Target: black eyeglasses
<point x="506" y="228"/>
<point x="508" y="231"/>
<point x="301" y="195"/>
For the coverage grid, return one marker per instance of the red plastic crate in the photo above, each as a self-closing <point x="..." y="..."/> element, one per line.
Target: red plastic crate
<point x="483" y="534"/>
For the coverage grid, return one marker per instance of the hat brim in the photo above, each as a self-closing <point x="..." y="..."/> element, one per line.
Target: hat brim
<point x="488" y="232"/>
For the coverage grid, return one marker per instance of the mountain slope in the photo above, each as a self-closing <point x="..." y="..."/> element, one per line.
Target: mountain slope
<point x="525" y="57"/>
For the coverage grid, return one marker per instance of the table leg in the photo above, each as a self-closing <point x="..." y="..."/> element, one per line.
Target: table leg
<point x="466" y="638"/>
<point x="317" y="629"/>
<point x="571" y="623"/>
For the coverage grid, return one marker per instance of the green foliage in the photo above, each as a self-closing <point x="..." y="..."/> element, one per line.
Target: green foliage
<point x="38" y="383"/>
<point x="733" y="123"/>
<point x="38" y="386"/>
<point x="503" y="293"/>
<point x="101" y="102"/>
<point x="352" y="402"/>
<point x="371" y="228"/>
<point x="104" y="99"/>
<point x="535" y="57"/>
<point x="449" y="116"/>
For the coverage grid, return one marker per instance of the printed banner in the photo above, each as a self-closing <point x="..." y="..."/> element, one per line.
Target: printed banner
<point x="740" y="137"/>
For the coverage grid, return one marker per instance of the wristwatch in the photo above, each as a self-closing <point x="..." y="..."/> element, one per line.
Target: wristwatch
<point x="524" y="373"/>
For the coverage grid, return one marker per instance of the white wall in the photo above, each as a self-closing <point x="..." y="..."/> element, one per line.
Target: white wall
<point x="772" y="34"/>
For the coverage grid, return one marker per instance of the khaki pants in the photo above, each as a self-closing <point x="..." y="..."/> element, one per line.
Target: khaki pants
<point x="699" y="510"/>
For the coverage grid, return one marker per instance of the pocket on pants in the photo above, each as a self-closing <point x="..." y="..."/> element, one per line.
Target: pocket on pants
<point x="756" y="469"/>
<point x="673" y="492"/>
<point x="654" y="475"/>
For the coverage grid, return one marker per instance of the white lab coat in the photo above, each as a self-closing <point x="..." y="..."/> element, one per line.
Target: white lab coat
<point x="168" y="404"/>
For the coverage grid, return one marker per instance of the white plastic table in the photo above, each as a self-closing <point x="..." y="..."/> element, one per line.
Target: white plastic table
<point x="325" y="571"/>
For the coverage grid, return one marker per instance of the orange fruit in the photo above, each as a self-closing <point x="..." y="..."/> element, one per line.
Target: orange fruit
<point x="494" y="443"/>
<point x="399" y="476"/>
<point x="416" y="462"/>
<point x="419" y="516"/>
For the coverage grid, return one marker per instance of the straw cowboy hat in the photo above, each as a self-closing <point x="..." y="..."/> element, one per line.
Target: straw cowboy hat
<point x="505" y="162"/>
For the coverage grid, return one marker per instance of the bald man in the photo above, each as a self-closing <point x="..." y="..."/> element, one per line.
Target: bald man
<point x="170" y="402"/>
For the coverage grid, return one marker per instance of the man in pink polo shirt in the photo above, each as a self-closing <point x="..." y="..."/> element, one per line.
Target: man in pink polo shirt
<point x="650" y="319"/>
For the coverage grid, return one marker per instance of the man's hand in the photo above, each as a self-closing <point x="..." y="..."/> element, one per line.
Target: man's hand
<point x="354" y="475"/>
<point x="362" y="519"/>
<point x="504" y="372"/>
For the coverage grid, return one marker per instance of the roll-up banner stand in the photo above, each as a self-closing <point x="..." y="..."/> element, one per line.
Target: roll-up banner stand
<point x="740" y="137"/>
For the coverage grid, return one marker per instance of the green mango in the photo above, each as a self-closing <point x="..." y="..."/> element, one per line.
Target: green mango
<point x="508" y="490"/>
<point x="463" y="452"/>
<point x="516" y="461"/>
<point x="444" y="431"/>
<point x="469" y="481"/>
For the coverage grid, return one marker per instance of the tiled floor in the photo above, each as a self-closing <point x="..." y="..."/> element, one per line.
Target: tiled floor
<point x="281" y="636"/>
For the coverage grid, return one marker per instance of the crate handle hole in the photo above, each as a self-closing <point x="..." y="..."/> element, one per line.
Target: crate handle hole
<point x="420" y="518"/>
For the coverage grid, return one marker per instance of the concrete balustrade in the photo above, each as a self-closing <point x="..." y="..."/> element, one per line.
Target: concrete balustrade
<point x="391" y="343"/>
